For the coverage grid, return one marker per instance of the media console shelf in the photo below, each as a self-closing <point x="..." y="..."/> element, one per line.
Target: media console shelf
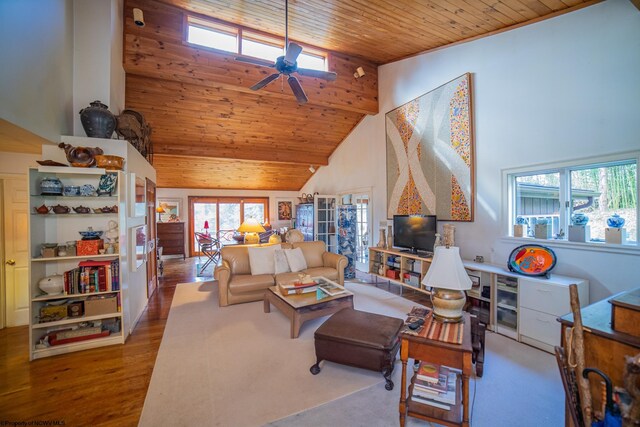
<point x="402" y="268"/>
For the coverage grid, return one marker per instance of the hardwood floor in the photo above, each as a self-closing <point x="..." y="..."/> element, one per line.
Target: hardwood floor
<point x="99" y="387"/>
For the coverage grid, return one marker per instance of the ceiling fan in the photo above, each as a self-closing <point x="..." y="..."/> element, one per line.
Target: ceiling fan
<point x="287" y="64"/>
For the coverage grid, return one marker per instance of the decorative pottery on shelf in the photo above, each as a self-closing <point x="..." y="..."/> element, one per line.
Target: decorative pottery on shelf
<point x="90" y="234"/>
<point x="59" y="209"/>
<point x="87" y="190"/>
<point x="579" y="219"/>
<point x="97" y="120"/>
<point x="107" y="184"/>
<point x="42" y="210"/>
<point x="81" y="157"/>
<point x="52" y="285"/>
<point x="521" y="221"/>
<point x="51" y="186"/>
<point x="108" y="162"/>
<point x="82" y="209"/>
<point x="71" y="190"/>
<point x="615" y="221"/>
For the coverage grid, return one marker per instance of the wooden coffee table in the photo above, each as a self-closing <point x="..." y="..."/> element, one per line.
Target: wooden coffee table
<point x="303" y="307"/>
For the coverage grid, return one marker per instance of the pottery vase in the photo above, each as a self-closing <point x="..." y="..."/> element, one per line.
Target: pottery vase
<point x="615" y="221"/>
<point x="579" y="219"/>
<point x="97" y="120"/>
<point x="51" y="186"/>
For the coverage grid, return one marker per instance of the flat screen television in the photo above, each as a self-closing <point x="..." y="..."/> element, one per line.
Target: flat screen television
<point x="414" y="232"/>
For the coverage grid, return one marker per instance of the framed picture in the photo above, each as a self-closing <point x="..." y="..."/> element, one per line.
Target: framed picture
<point x="170" y="209"/>
<point x="137" y="196"/>
<point x="138" y="246"/>
<point x="285" y="210"/>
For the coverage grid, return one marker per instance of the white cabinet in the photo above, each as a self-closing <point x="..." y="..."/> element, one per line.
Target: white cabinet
<point x="325" y="220"/>
<point x="543" y="301"/>
<point x="522" y="307"/>
<point x="52" y="332"/>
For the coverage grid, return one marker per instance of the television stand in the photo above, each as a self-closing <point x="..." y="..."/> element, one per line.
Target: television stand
<point x="400" y="267"/>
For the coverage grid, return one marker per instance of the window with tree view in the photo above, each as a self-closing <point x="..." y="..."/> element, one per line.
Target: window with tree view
<point x="582" y="194"/>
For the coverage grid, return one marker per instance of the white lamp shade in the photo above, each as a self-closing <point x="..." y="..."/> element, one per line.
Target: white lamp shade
<point x="446" y="270"/>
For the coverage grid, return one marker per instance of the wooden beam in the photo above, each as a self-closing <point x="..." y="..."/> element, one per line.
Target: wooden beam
<point x="636" y="3"/>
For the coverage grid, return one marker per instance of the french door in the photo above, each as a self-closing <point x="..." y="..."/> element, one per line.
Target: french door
<point x="364" y="212"/>
<point x="221" y="216"/>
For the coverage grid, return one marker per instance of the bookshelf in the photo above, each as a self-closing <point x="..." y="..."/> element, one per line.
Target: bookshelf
<point x="101" y="304"/>
<point x="402" y="268"/>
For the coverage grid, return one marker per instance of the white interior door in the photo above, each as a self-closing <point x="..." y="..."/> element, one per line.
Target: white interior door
<point x="16" y="251"/>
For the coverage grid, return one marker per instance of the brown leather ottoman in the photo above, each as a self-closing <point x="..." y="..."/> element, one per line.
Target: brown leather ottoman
<point x="360" y="339"/>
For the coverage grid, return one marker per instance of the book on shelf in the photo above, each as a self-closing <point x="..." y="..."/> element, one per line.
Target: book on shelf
<point x="92" y="277"/>
<point x="447" y="397"/>
<point x="331" y="289"/>
<point x="435" y="387"/>
<point x="430" y="402"/>
<point x="429" y="372"/>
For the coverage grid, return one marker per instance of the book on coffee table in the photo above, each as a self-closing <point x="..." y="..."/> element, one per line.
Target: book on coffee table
<point x="331" y="289"/>
<point x="297" y="288"/>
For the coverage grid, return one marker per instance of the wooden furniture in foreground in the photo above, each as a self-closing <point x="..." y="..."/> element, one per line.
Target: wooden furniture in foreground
<point x="451" y="355"/>
<point x="604" y="347"/>
<point x="303" y="307"/>
<point x="171" y="238"/>
<point x="360" y="339"/>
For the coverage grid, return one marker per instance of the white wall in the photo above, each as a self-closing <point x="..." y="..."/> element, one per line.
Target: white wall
<point x="184" y="193"/>
<point x="560" y="89"/>
<point x="36" y="76"/>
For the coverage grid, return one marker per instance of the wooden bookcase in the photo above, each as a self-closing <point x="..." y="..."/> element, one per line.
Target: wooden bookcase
<point x="398" y="267"/>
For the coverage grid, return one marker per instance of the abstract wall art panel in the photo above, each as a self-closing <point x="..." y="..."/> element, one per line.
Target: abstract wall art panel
<point x="430" y="154"/>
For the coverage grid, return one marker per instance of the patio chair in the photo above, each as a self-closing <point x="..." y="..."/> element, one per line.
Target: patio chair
<point x="209" y="246"/>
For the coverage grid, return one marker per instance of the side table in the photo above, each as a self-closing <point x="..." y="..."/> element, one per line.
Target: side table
<point x="452" y="355"/>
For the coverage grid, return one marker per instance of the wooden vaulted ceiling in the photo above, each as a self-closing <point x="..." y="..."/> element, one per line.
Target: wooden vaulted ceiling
<point x="211" y="131"/>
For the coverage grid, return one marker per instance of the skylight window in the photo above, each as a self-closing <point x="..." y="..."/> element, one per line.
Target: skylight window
<point x="232" y="39"/>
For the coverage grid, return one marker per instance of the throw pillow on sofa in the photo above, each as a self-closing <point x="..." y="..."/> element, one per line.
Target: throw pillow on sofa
<point x="281" y="263"/>
<point x="261" y="259"/>
<point x="296" y="259"/>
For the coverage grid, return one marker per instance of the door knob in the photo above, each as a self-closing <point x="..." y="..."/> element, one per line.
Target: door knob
<point x="11" y="262"/>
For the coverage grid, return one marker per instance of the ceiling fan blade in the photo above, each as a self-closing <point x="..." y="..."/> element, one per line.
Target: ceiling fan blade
<point x="297" y="90"/>
<point x="262" y="83"/>
<point x="326" y="75"/>
<point x="255" y="61"/>
<point x="293" y="50"/>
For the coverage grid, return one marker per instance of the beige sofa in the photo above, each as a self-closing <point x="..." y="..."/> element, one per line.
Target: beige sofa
<point x="236" y="284"/>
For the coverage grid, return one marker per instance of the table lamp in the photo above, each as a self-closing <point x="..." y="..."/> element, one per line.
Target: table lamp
<point x="448" y="280"/>
<point x="251" y="227"/>
<point x="206" y="227"/>
<point x="160" y="210"/>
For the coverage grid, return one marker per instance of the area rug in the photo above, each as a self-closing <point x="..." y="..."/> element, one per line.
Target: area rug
<point x="237" y="366"/>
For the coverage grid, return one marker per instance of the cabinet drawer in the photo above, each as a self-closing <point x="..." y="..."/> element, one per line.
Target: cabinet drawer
<point x="169" y="227"/>
<point x="540" y="326"/>
<point x="545" y="297"/>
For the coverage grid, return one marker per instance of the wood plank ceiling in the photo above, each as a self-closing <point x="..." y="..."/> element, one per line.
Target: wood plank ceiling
<point x="211" y="131"/>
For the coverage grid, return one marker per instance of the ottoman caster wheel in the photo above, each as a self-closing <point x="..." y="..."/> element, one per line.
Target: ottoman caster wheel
<point x="315" y="369"/>
<point x="389" y="385"/>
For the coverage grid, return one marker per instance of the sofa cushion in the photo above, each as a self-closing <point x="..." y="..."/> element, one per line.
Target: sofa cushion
<point x="280" y="261"/>
<point x="247" y="283"/>
<point x="261" y="259"/>
<point x="238" y="259"/>
<point x="312" y="252"/>
<point x="296" y="259"/>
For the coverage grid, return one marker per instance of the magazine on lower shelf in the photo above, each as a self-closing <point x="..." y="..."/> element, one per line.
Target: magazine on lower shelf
<point x="430" y="402"/>
<point x="447" y="397"/>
